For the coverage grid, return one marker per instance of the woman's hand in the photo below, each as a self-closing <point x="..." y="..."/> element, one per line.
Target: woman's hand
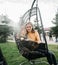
<point x="22" y="38"/>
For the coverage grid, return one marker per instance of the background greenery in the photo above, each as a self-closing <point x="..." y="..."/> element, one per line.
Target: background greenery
<point x="54" y="29"/>
<point x="13" y="56"/>
<point x="5" y="28"/>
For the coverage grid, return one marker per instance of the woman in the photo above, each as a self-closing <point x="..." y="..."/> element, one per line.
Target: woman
<point x="29" y="33"/>
<point x="32" y="34"/>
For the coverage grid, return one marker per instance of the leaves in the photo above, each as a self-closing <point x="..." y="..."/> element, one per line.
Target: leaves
<point x="5" y="30"/>
<point x="55" y="29"/>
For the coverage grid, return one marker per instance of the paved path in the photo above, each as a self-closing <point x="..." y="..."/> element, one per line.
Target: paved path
<point x="53" y="41"/>
<point x="50" y="41"/>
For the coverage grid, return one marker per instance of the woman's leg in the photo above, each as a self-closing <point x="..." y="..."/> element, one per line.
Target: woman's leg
<point x="51" y="58"/>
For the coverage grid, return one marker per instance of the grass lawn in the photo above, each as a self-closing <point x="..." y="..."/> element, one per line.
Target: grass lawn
<point x="13" y="56"/>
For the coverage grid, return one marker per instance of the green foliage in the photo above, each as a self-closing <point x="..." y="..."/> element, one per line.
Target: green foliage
<point x="55" y="22"/>
<point x="5" y="19"/>
<point x="37" y="28"/>
<point x="5" y="31"/>
<point x="55" y="30"/>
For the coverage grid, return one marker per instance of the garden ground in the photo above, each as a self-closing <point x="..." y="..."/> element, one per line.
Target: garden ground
<point x="13" y="57"/>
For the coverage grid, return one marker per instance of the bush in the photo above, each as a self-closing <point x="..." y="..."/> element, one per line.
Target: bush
<point x="5" y="31"/>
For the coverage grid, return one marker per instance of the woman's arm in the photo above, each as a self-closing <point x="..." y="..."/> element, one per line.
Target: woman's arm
<point x="23" y="34"/>
<point x="38" y="37"/>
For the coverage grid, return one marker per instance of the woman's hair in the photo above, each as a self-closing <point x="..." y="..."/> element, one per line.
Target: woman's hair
<point x="33" y="31"/>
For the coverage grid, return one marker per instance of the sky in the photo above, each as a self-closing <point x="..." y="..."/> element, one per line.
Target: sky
<point x="15" y="9"/>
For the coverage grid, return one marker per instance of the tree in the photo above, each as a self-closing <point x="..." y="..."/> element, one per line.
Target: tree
<point x="55" y="29"/>
<point x="38" y="29"/>
<point x="55" y="32"/>
<point x="5" y="29"/>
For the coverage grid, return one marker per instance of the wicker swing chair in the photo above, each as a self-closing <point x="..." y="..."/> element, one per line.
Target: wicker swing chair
<point x="27" y="48"/>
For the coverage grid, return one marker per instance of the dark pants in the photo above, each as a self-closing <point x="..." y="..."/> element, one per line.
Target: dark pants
<point x="50" y="56"/>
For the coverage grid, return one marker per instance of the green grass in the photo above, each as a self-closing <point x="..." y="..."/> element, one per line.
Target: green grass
<point x="13" y="56"/>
